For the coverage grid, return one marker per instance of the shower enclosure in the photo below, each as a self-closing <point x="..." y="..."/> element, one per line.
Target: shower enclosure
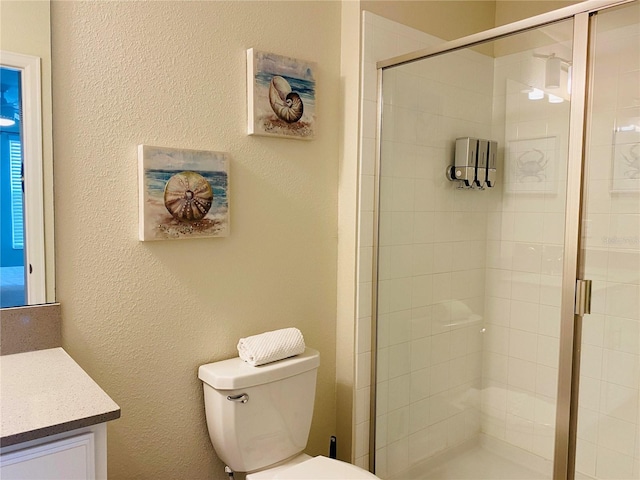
<point x="507" y="332"/>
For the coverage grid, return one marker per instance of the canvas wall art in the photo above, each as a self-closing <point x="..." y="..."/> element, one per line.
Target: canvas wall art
<point x="183" y="193"/>
<point x="281" y="96"/>
<point x="531" y="165"/>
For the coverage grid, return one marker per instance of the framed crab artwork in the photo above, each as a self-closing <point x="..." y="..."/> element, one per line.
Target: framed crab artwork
<point x="531" y="165"/>
<point x="625" y="175"/>
<point x="281" y="96"/>
<point x="182" y="193"/>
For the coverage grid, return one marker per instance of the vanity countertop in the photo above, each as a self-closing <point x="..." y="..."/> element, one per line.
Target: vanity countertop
<point x="46" y="392"/>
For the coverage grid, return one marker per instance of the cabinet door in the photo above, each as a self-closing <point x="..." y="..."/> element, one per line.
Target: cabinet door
<point x="68" y="459"/>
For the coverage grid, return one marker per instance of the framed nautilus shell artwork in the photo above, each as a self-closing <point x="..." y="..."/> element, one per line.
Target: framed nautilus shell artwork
<point x="183" y="193"/>
<point x="531" y="165"/>
<point x="281" y="96"/>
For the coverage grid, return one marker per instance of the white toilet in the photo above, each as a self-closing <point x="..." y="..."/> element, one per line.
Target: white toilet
<point x="259" y="419"/>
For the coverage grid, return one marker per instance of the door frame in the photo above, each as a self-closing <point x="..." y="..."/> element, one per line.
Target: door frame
<point x="32" y="158"/>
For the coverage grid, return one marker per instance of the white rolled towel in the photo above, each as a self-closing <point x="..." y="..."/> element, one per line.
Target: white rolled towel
<point x="271" y="346"/>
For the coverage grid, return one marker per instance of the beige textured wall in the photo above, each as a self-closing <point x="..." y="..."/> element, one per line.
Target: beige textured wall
<point x="141" y="317"/>
<point x="25" y="28"/>
<point x="446" y="19"/>
<point x="508" y="11"/>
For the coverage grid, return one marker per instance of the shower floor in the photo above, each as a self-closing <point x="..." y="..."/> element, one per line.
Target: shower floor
<point x="477" y="462"/>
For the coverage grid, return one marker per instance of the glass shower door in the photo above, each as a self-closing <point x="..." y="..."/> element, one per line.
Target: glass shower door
<point x="608" y="443"/>
<point x="470" y="279"/>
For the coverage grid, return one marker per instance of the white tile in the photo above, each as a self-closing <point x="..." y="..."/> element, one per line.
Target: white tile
<point x="398" y="455"/>
<point x="523" y="345"/>
<point x="401" y="261"/>
<point x="382" y="400"/>
<point x="550" y="290"/>
<point x="591" y="361"/>
<point x="586" y="458"/>
<point x="399" y="327"/>
<point x="441" y="287"/>
<point x="547" y="381"/>
<point x="497" y="339"/>
<point x="423" y="228"/>
<point x="420" y="384"/>
<point x="521" y="404"/>
<point x="528" y="227"/>
<point x="495" y="367"/>
<point x="619" y="402"/>
<point x="401" y="228"/>
<point x="498" y="283"/>
<point x="418" y="446"/>
<point x="422" y="259"/>
<point x="549" y="321"/>
<point x="522" y="374"/>
<point x="420" y="353"/>
<point x="498" y="311"/>
<point x="399" y="392"/>
<point x="399" y="360"/>
<point x="590" y="389"/>
<point x="548" y="351"/>
<point x="421" y="292"/>
<point x="400" y="294"/>
<point x="418" y="416"/>
<point x="623" y="301"/>
<point x="622" y="334"/>
<point x="527" y="257"/>
<point x="620" y="368"/>
<point x="442" y="257"/>
<point x="552" y="259"/>
<point x="440" y="348"/>
<point x="593" y="330"/>
<point x="439" y="377"/>
<point x="437" y="437"/>
<point x="525" y="287"/>
<point x="519" y="432"/>
<point x="613" y="465"/>
<point x="524" y="316"/>
<point x="421" y="319"/>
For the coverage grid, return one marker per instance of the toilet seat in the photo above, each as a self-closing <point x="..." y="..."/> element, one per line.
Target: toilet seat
<point x="316" y="468"/>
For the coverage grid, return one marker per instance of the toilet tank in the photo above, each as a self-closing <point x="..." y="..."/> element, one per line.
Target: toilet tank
<point x="273" y="424"/>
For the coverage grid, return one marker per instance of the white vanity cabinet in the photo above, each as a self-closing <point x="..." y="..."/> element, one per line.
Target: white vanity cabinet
<point x="53" y="419"/>
<point x="70" y="457"/>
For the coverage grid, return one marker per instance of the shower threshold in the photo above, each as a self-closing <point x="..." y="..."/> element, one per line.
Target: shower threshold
<point x="484" y="458"/>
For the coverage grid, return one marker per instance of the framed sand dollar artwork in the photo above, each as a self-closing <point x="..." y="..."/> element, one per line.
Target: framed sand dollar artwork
<point x="183" y="193"/>
<point x="281" y="96"/>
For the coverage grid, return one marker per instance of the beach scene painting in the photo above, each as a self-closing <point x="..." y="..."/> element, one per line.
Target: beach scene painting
<point x="183" y="193"/>
<point x="281" y="96"/>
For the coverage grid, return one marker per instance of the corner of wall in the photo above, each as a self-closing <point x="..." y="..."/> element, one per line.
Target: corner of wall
<point x="347" y="231"/>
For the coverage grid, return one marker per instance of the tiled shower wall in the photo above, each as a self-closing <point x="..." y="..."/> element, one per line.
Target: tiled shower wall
<point x="524" y="258"/>
<point x="429" y="391"/>
<point x="609" y="409"/>
<point x="431" y="280"/>
<point x="432" y="261"/>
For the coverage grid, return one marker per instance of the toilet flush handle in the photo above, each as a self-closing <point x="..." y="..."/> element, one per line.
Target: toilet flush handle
<point x="242" y="398"/>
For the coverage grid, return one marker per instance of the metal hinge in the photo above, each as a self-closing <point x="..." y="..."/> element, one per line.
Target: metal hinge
<point x="583" y="297"/>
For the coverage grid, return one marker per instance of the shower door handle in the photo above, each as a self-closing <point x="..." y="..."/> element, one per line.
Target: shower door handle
<point x="583" y="297"/>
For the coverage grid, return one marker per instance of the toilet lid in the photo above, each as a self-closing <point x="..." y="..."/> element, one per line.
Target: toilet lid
<point x="323" y="468"/>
